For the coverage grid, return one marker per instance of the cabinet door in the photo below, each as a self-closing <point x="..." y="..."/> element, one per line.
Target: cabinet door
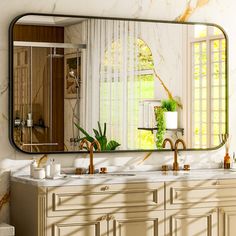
<point x="194" y="222"/>
<point x="138" y="224"/>
<point x="227" y="219"/>
<point x="75" y="225"/>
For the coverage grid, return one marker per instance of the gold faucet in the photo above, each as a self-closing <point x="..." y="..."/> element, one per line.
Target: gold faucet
<point x="90" y="147"/>
<point x="84" y="141"/>
<point x="175" y="149"/>
<point x="170" y="142"/>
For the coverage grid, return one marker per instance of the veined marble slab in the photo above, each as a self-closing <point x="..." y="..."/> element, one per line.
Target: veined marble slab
<point x="128" y="177"/>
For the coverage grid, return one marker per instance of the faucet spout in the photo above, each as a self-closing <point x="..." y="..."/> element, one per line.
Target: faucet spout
<point x="86" y="142"/>
<point x="90" y="147"/>
<point x="91" y="165"/>
<point x="176" y="164"/>
<point x="167" y="140"/>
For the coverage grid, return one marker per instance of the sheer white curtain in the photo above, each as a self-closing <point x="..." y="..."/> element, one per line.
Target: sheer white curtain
<point x="112" y="62"/>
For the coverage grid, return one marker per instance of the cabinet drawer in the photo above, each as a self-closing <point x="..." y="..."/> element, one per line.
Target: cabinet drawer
<point x="90" y="225"/>
<point x="102" y="198"/>
<point x="205" y="193"/>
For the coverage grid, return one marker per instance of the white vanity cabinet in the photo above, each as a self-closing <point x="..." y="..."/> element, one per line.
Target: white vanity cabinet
<point x="174" y="208"/>
<point x="105" y="209"/>
<point x="203" y="208"/>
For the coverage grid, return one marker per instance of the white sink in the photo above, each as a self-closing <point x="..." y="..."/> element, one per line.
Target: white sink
<point x="95" y="176"/>
<point x="144" y="168"/>
<point x="137" y="168"/>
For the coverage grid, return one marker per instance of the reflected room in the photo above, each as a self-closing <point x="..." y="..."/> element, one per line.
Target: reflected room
<point x="126" y="83"/>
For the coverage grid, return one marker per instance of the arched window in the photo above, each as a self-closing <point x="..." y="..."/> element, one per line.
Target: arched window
<point x="126" y="80"/>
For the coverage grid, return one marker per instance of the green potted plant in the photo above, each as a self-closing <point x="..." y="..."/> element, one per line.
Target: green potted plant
<point x="161" y="125"/>
<point x="100" y="135"/>
<point x="171" y="114"/>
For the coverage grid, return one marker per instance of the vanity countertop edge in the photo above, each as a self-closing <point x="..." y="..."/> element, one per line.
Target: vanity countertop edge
<point x="137" y="177"/>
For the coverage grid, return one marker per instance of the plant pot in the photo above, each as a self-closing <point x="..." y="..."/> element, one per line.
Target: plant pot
<point x="171" y="118"/>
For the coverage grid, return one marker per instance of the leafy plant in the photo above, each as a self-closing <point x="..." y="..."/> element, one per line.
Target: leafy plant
<point x="161" y="126"/>
<point x="101" y="138"/>
<point x="86" y="135"/>
<point x="169" y="104"/>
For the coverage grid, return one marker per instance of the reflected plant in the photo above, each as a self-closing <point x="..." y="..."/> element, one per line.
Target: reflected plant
<point x="161" y="126"/>
<point x="100" y="136"/>
<point x="169" y="104"/>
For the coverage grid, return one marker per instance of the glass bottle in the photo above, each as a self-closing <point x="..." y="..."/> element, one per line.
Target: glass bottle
<point x="227" y="161"/>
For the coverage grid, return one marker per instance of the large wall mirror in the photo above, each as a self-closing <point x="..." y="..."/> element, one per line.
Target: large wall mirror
<point x="115" y="80"/>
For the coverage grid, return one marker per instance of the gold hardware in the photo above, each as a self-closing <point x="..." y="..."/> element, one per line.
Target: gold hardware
<point x="105" y="188"/>
<point x="90" y="147"/>
<point x="103" y="170"/>
<point x="174" y="147"/>
<point x="79" y="171"/>
<point x="214" y="210"/>
<point x="164" y="168"/>
<point x="111" y="217"/>
<point x="102" y="218"/>
<point x="44" y="159"/>
<point x="221" y="210"/>
<point x="186" y="167"/>
<point x="167" y="140"/>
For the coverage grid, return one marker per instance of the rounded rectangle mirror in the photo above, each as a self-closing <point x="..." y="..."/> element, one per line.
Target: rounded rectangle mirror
<point x="130" y="84"/>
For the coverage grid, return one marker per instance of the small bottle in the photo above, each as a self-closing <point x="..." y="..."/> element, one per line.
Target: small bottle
<point x="29" y="121"/>
<point x="48" y="169"/>
<point x="33" y="165"/>
<point x="227" y="161"/>
<point x="51" y="167"/>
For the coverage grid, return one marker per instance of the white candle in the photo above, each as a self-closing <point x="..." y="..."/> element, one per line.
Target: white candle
<point x="39" y="173"/>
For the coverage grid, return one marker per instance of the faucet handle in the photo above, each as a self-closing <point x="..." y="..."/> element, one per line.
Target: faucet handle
<point x="164" y="168"/>
<point x="187" y="167"/>
<point x="103" y="170"/>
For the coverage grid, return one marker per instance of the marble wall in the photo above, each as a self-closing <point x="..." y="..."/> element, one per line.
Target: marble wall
<point x="214" y="11"/>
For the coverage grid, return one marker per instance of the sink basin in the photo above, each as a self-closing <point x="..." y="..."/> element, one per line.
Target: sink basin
<point x="95" y="176"/>
<point x="133" y="168"/>
<point x="144" y="168"/>
<point x="119" y="174"/>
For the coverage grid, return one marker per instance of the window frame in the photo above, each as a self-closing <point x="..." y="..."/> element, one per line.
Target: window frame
<point x="209" y="38"/>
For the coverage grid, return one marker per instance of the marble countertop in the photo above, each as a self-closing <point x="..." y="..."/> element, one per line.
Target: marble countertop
<point x="128" y="177"/>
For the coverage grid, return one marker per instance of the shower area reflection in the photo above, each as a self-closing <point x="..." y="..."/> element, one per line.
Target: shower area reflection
<point x="39" y="75"/>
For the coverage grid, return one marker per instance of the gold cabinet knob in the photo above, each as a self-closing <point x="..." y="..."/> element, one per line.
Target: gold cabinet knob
<point x="111" y="217"/>
<point x="221" y="210"/>
<point x="102" y="218"/>
<point x="214" y="210"/>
